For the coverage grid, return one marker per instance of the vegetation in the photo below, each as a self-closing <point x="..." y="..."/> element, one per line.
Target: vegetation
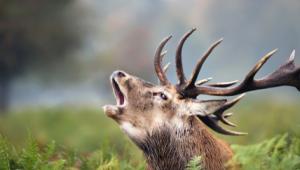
<point x="281" y="152"/>
<point x="51" y="157"/>
<point x="195" y="164"/>
<point x="86" y="139"/>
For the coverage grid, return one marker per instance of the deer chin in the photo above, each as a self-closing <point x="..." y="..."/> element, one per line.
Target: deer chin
<point x="118" y="93"/>
<point x="111" y="111"/>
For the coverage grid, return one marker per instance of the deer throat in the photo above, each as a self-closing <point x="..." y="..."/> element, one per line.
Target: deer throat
<point x="169" y="149"/>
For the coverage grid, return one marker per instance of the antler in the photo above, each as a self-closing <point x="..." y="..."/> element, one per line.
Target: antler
<point x="191" y="82"/>
<point x="179" y="68"/>
<point x="183" y="84"/>
<point x="286" y="75"/>
<point x="220" y="115"/>
<point x="157" y="62"/>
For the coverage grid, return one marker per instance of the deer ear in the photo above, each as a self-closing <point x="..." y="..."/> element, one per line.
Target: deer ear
<point x="205" y="107"/>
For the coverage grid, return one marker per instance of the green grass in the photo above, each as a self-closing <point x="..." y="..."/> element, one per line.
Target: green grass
<point x="281" y="152"/>
<point x="80" y="138"/>
<point x="194" y="164"/>
<point x="52" y="157"/>
<point x="84" y="139"/>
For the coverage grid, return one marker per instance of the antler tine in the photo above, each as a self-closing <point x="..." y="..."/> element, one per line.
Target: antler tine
<point x="220" y="112"/>
<point x="191" y="82"/>
<point x="179" y="68"/>
<point x="223" y="84"/>
<point x="166" y="67"/>
<point x="213" y="124"/>
<point x="163" y="54"/>
<point x="292" y="56"/>
<point x="227" y="122"/>
<point x="226" y="115"/>
<point x="229" y="104"/>
<point x="157" y="62"/>
<point x="203" y="81"/>
<point x="259" y="64"/>
<point x="296" y="69"/>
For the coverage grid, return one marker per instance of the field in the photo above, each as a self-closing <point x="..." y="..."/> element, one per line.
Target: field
<point x="84" y="138"/>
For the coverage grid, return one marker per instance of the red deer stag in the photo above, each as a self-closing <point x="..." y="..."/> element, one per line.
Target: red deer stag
<point x="170" y="125"/>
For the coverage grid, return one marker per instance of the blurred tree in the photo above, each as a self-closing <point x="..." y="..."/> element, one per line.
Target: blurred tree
<point x="36" y="36"/>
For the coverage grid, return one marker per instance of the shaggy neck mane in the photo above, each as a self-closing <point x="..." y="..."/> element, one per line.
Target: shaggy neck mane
<point x="167" y="148"/>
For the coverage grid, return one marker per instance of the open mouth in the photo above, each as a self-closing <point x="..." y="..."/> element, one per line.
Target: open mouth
<point x="118" y="93"/>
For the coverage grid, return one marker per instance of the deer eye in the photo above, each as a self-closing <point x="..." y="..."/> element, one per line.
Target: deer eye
<point x="161" y="95"/>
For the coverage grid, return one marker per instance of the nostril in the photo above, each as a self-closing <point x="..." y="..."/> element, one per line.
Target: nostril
<point x="120" y="74"/>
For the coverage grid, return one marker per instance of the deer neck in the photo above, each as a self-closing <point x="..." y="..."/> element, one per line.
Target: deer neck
<point x="166" y="149"/>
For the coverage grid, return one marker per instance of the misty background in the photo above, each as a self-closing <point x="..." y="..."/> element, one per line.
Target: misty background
<point x="62" y="52"/>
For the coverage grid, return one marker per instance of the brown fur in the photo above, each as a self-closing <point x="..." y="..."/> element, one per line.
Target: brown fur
<point x="164" y="149"/>
<point x="166" y="130"/>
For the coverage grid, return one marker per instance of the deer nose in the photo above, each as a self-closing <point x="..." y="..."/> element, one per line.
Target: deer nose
<point x="119" y="74"/>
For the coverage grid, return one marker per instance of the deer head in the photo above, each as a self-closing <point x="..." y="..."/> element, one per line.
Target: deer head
<point x="143" y="108"/>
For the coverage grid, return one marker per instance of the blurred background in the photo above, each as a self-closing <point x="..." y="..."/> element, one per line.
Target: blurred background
<point x="56" y="58"/>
